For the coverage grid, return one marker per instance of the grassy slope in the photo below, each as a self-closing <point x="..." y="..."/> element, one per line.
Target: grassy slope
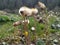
<point x="7" y="29"/>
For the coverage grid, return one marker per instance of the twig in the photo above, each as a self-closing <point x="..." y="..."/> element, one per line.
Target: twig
<point x="27" y="39"/>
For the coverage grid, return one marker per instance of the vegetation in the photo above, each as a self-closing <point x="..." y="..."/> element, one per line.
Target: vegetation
<point x="45" y="31"/>
<point x="11" y="35"/>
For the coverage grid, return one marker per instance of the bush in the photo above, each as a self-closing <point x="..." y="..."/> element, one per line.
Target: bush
<point x="4" y="18"/>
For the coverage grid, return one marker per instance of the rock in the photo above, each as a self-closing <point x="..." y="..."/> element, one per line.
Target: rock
<point x="58" y="25"/>
<point x="53" y="26"/>
<point x="55" y="41"/>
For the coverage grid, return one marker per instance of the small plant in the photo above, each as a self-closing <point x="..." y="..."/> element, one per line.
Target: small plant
<point x="4" y="18"/>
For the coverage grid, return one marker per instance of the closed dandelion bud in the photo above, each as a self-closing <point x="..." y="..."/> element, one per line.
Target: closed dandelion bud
<point x="27" y="21"/>
<point x="16" y="23"/>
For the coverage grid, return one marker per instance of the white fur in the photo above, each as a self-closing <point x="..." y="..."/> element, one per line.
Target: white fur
<point x="28" y="11"/>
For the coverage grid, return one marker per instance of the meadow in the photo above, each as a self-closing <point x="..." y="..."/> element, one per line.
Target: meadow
<point x="10" y="35"/>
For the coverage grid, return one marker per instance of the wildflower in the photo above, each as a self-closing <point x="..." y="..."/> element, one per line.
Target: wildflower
<point x="17" y="23"/>
<point x="26" y="21"/>
<point x="26" y="33"/>
<point x="32" y="28"/>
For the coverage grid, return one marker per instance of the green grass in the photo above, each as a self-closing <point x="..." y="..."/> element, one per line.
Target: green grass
<point x="6" y="25"/>
<point x="7" y="28"/>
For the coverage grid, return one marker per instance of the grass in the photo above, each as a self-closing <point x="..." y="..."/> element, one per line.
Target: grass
<point x="6" y="25"/>
<point x="9" y="24"/>
<point x="7" y="28"/>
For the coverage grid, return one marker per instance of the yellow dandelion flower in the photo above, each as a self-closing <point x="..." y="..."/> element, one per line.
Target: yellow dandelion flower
<point x="26" y="33"/>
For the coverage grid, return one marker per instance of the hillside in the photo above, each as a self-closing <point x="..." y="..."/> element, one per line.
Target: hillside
<point x="10" y="35"/>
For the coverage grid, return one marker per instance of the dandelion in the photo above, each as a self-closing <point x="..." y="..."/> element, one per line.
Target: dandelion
<point x="27" y="21"/>
<point x="17" y="23"/>
<point x="32" y="28"/>
<point x="26" y="33"/>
